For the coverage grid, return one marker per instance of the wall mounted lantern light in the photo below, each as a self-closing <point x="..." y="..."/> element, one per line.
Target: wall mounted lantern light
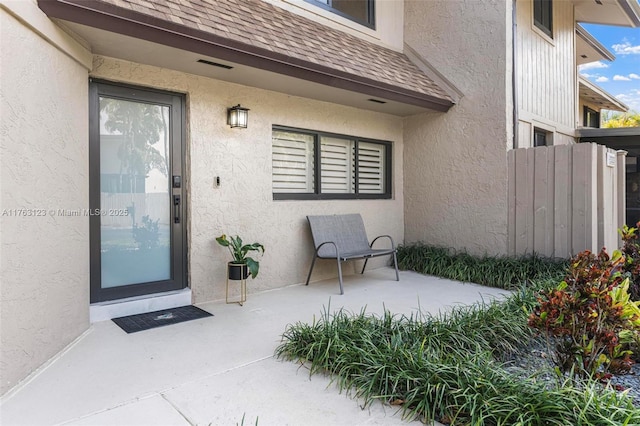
<point x="238" y="116"/>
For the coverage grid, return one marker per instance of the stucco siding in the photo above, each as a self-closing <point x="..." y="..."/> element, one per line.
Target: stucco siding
<point x="456" y="163"/>
<point x="44" y="297"/>
<point x="546" y="73"/>
<point x="243" y="203"/>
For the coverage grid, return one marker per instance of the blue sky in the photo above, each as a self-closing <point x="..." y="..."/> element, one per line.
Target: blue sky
<point x="621" y="78"/>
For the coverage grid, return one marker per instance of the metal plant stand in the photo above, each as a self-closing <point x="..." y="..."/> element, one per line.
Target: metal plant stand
<point x="243" y="287"/>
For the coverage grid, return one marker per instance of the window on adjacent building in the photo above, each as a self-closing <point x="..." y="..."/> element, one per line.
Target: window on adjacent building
<point x="542" y="137"/>
<point x="543" y="16"/>
<point x="591" y="118"/>
<point x="361" y="11"/>
<point x="315" y="165"/>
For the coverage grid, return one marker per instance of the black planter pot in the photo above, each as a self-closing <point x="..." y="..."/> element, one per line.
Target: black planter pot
<point x="238" y="271"/>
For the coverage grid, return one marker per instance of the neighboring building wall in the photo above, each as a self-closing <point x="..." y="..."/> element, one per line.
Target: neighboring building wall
<point x="243" y="204"/>
<point x="456" y="163"/>
<point x="44" y="274"/>
<point x="546" y="75"/>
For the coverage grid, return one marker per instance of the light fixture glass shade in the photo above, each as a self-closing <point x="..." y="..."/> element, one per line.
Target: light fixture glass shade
<point x="238" y="116"/>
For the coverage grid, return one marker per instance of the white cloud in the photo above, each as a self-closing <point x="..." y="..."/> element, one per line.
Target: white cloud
<point x="585" y="75"/>
<point x="592" y="65"/>
<point x="602" y="79"/>
<point x="631" y="99"/>
<point x="620" y="78"/>
<point x="634" y="76"/>
<point x="625" y="48"/>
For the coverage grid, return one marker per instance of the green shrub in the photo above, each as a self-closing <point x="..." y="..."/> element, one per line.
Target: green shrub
<point x="444" y="368"/>
<point x="502" y="272"/>
<point x="586" y="313"/>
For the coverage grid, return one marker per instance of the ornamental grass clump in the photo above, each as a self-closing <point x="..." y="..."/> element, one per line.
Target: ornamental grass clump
<point x="589" y="318"/>
<point x="501" y="272"/>
<point x="445" y="368"/>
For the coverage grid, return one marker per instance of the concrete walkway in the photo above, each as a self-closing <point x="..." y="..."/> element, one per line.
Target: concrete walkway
<point x="216" y="370"/>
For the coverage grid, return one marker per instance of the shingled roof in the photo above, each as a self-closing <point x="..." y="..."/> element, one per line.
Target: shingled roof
<point x="259" y="34"/>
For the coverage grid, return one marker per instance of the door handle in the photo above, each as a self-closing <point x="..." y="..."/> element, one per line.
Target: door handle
<point x="176" y="209"/>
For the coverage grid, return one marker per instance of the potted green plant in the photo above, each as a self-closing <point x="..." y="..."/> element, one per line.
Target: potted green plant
<point x="242" y="265"/>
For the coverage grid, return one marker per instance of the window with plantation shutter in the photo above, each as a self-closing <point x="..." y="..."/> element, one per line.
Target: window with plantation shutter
<point x="337" y="165"/>
<point x="371" y="168"/>
<point x="293" y="167"/>
<point x="315" y="165"/>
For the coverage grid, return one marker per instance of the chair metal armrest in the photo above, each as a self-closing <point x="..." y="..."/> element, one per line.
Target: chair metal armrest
<point x="393" y="245"/>
<point x="329" y="242"/>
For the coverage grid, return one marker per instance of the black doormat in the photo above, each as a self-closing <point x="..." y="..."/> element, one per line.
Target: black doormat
<point x="140" y="322"/>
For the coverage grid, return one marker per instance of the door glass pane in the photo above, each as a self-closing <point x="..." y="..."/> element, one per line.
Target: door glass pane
<point x="135" y="200"/>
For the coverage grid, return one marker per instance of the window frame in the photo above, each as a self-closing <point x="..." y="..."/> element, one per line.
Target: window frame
<point x="317" y="183"/>
<point x="371" y="12"/>
<point x="539" y="9"/>
<point x="548" y="137"/>
<point x="586" y="112"/>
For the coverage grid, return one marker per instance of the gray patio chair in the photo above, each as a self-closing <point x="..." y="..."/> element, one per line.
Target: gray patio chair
<point x="343" y="237"/>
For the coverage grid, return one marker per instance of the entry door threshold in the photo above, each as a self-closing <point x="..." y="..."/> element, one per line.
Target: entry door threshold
<point x="139" y="305"/>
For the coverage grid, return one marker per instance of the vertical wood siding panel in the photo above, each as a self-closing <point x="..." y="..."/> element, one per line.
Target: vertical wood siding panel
<point x="546" y="70"/>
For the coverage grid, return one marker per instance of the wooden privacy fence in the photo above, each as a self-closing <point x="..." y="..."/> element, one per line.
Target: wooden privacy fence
<point x="565" y="199"/>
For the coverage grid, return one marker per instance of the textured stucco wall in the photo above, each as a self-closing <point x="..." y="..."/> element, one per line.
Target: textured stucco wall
<point x="456" y="163"/>
<point x="243" y="204"/>
<point x="44" y="275"/>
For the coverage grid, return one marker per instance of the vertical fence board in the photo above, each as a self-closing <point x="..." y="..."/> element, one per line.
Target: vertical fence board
<point x="530" y="200"/>
<point x="523" y="184"/>
<point x="562" y="201"/>
<point x="511" y="194"/>
<point x="621" y="191"/>
<point x="601" y="152"/>
<point x="540" y="199"/>
<point x="550" y="220"/>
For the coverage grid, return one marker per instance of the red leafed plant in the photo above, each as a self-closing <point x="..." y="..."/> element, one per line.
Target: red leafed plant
<point x="631" y="251"/>
<point x="586" y="313"/>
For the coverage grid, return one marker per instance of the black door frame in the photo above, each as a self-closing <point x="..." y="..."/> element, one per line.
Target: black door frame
<point x="178" y="233"/>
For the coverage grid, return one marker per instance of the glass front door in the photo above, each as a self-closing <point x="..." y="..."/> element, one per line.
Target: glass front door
<point x="136" y="192"/>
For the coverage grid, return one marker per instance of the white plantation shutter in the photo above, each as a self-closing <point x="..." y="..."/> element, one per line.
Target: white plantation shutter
<point x="337" y="165"/>
<point x="292" y="162"/>
<point x="371" y="164"/>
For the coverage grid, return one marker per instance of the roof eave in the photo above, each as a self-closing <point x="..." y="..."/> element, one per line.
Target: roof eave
<point x="620" y="106"/>
<point x="632" y="9"/>
<point x="134" y="24"/>
<point x="594" y="43"/>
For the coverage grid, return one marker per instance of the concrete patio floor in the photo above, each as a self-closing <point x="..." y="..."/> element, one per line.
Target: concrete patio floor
<point x="216" y="370"/>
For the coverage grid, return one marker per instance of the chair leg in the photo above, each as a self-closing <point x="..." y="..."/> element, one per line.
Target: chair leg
<point x="340" y="276"/>
<point x="395" y="263"/>
<point x="365" y="265"/>
<point x="313" y="262"/>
